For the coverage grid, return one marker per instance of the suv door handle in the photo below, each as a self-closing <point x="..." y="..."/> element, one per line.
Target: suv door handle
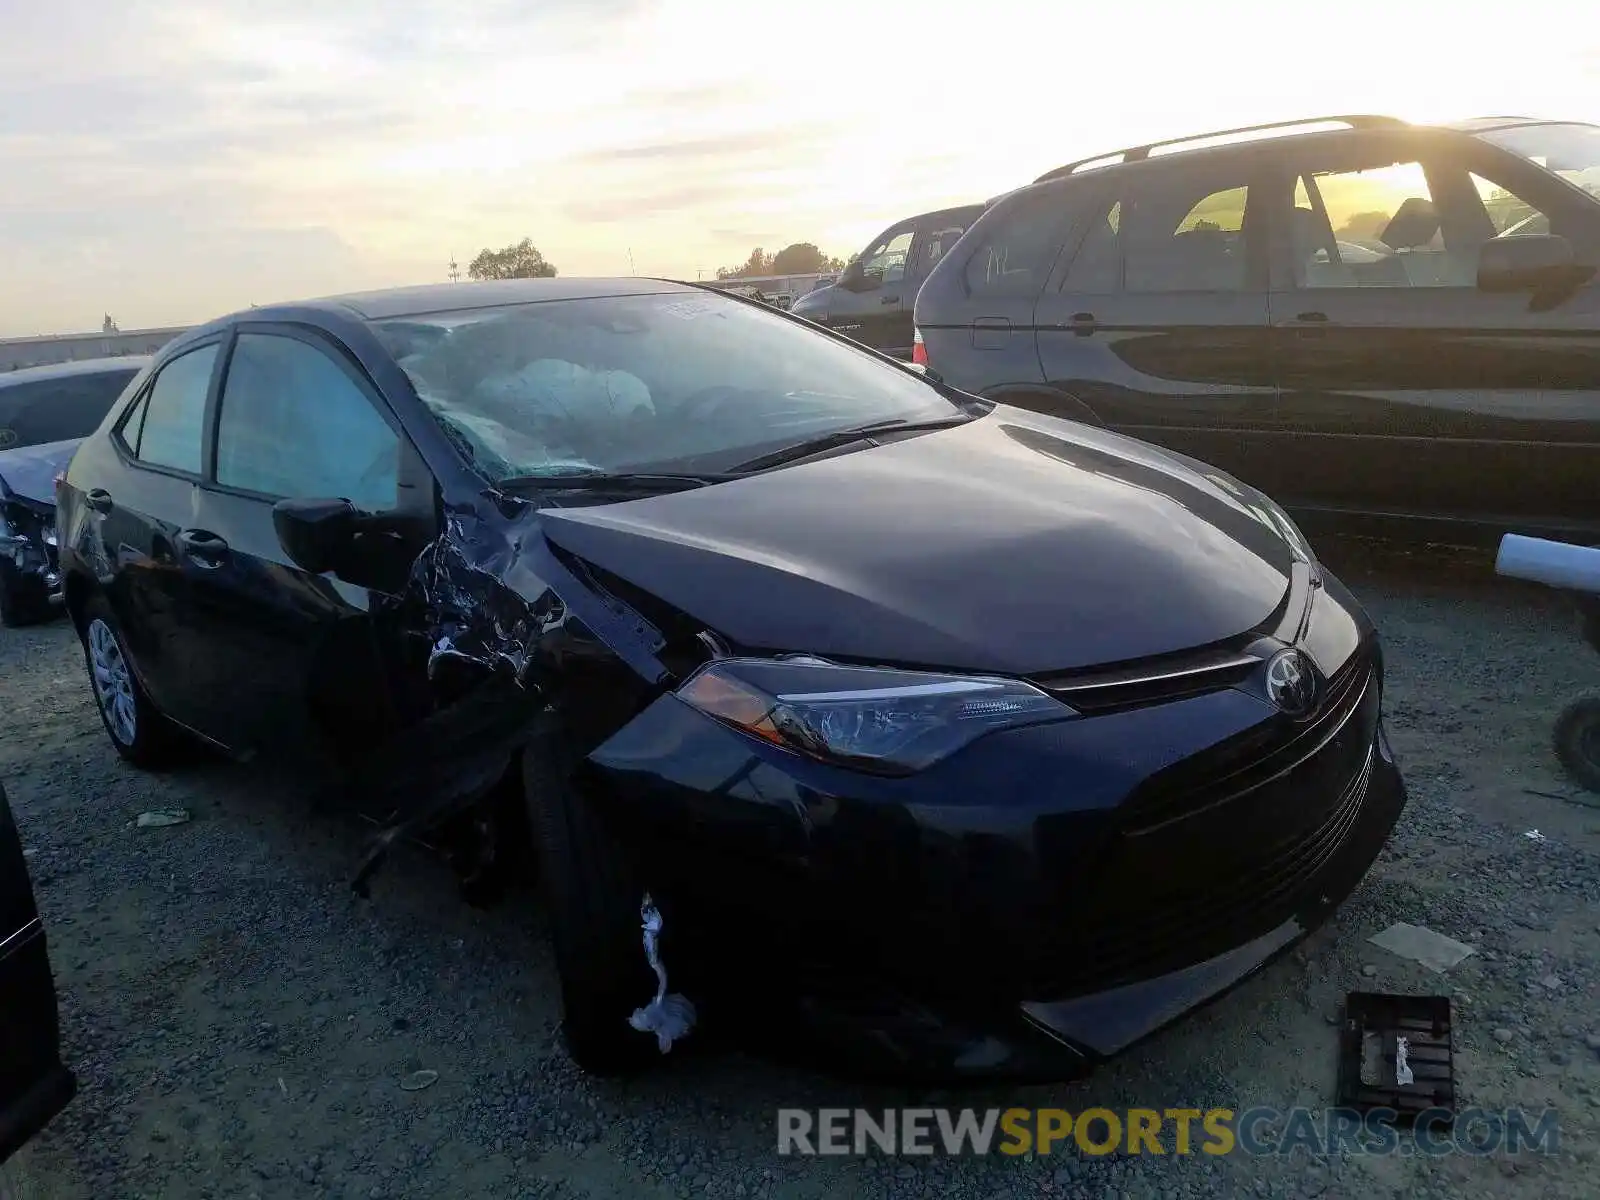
<point x="205" y="548"/>
<point x="98" y="499"/>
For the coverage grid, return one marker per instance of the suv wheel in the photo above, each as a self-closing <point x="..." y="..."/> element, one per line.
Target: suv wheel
<point x="1577" y="739"/>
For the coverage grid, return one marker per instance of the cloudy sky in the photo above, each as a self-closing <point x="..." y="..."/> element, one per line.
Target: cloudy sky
<point x="169" y="160"/>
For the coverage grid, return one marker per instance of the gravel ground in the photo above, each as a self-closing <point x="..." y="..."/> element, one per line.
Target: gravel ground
<point x="241" y="1024"/>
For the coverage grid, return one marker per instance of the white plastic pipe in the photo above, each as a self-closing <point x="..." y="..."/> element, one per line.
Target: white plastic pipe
<point x="1558" y="564"/>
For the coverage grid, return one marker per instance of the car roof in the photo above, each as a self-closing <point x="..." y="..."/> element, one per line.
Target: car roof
<point x="958" y="212"/>
<point x="444" y="297"/>
<point x="1245" y="136"/>
<point x="81" y="366"/>
<point x="1484" y="124"/>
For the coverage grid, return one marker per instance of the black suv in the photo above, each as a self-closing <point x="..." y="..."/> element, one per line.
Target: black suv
<point x="1383" y="325"/>
<point x="872" y="298"/>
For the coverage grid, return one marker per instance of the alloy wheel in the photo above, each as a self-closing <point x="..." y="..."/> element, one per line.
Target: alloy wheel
<point x="113" y="682"/>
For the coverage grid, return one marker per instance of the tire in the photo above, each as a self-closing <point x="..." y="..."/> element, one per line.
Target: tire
<point x="1577" y="741"/>
<point x="19" y="604"/>
<point x="138" y="732"/>
<point x="593" y="893"/>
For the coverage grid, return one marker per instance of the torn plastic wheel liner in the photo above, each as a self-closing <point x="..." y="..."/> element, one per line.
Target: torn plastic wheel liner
<point x="445" y="764"/>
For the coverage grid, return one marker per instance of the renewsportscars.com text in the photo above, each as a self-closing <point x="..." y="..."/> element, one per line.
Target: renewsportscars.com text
<point x="1177" y="1131"/>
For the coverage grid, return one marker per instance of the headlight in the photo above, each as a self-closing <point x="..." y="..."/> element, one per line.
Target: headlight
<point x="889" y="722"/>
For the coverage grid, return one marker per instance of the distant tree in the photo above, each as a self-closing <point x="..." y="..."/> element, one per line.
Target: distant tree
<point x="800" y="258"/>
<point x="758" y="263"/>
<point x="520" y="261"/>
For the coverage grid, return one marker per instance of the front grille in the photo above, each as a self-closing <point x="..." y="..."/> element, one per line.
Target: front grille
<point x="1158" y="682"/>
<point x="1235" y="861"/>
<point x="1184" y="929"/>
<point x="1256" y="757"/>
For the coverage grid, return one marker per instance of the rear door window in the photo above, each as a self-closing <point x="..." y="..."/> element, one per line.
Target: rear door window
<point x="1174" y="230"/>
<point x="1017" y="245"/>
<point x="58" y="410"/>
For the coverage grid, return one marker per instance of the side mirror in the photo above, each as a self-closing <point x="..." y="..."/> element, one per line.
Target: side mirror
<point x="1526" y="264"/>
<point x="855" y="279"/>
<point x="317" y="535"/>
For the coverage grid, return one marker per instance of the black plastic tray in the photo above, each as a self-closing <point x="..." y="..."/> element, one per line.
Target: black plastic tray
<point x="1424" y="1021"/>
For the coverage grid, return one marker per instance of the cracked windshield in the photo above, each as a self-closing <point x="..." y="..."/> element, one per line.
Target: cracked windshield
<point x="632" y="383"/>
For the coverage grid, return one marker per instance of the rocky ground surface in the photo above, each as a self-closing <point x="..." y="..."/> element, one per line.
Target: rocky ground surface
<point x="243" y="1026"/>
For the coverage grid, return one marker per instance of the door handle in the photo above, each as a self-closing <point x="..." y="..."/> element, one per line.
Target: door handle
<point x="205" y="548"/>
<point x="890" y="300"/>
<point x="98" y="499"/>
<point x="1311" y="324"/>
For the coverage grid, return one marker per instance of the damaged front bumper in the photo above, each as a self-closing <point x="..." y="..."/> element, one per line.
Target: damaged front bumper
<point x="1014" y="912"/>
<point x="28" y="548"/>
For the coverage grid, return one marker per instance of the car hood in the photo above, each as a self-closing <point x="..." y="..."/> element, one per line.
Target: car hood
<point x="30" y="471"/>
<point x="817" y="299"/>
<point x="1015" y="543"/>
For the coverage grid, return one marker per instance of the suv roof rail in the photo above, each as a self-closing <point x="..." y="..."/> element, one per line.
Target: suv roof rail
<point x="1137" y="153"/>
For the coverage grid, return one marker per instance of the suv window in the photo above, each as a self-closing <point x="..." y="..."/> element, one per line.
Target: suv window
<point x="888" y="257"/>
<point x="1017" y="246"/>
<point x="1509" y="215"/>
<point x="293" y="422"/>
<point x="1400" y="224"/>
<point x="58" y="410"/>
<point x="1173" y="231"/>
<point x="933" y="243"/>
<point x="165" y="429"/>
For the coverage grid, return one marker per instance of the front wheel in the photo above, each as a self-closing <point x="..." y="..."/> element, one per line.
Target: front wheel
<point x="139" y="733"/>
<point x="593" y="894"/>
<point x="1577" y="741"/>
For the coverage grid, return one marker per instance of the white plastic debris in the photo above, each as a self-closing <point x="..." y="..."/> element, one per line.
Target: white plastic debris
<point x="669" y="1017"/>
<point x="1402" y="1064"/>
<point x="160" y="818"/>
<point x="1533" y="835"/>
<point x="418" y="1080"/>
<point x="1432" y="950"/>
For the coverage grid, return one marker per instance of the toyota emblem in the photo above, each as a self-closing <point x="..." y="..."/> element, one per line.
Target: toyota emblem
<point x="1292" y="683"/>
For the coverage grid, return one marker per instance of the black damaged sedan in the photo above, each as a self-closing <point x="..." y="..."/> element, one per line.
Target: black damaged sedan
<point x="960" y="738"/>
